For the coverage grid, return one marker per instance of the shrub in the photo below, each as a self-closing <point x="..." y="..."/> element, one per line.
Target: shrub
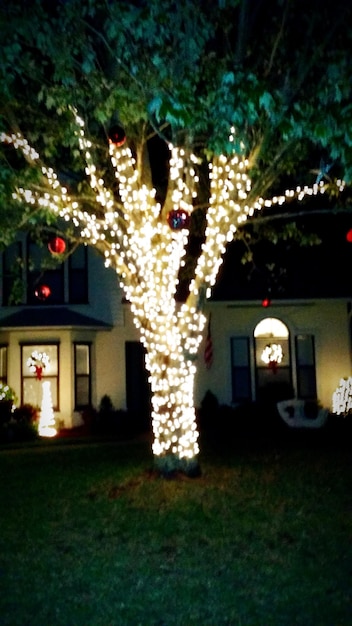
<point x="7" y="394"/>
<point x="21" y="424"/>
<point x="26" y="414"/>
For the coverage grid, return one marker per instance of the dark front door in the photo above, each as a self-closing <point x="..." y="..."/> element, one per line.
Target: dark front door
<point x="138" y="392"/>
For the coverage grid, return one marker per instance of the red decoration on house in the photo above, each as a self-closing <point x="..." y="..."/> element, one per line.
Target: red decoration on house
<point x="57" y="245"/>
<point x="117" y="136"/>
<point x="178" y="219"/>
<point x="349" y="236"/>
<point x="42" y="292"/>
<point x="266" y="302"/>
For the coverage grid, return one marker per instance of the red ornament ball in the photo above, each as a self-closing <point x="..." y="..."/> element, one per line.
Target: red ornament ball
<point x="42" y="292"/>
<point x="117" y="136"/>
<point x="349" y="236"/>
<point x="266" y="302"/>
<point x="57" y="245"/>
<point x="178" y="219"/>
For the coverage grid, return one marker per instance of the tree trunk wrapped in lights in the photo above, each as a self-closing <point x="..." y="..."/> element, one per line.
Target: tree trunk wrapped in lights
<point x="145" y="243"/>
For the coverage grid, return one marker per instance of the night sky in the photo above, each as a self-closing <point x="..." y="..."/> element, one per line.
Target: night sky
<point x="319" y="271"/>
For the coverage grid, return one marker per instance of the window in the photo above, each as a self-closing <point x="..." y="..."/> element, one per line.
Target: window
<point x="78" y="278"/>
<point x="28" y="266"/>
<point x="82" y="375"/>
<point x="43" y="270"/>
<point x="241" y="375"/>
<point x="305" y="366"/>
<point x="39" y="362"/>
<point x="3" y="364"/>
<point x="12" y="282"/>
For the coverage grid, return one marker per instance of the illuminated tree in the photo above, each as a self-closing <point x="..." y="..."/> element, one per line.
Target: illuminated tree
<point x="235" y="107"/>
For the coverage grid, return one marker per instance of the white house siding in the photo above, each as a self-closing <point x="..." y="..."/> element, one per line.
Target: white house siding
<point x="104" y="308"/>
<point x="327" y="320"/>
<point x="110" y="360"/>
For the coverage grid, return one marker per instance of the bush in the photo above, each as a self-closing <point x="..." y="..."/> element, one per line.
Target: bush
<point x="7" y="393"/>
<point x="26" y="414"/>
<point x="108" y="421"/>
<point x="20" y="425"/>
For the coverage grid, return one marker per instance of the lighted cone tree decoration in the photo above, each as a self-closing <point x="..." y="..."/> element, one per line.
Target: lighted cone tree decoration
<point x="46" y="419"/>
<point x="135" y="236"/>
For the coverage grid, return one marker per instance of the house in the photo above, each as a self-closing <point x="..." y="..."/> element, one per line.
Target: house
<point x="287" y="337"/>
<point x="73" y="317"/>
<point x="292" y="348"/>
<point x="80" y="328"/>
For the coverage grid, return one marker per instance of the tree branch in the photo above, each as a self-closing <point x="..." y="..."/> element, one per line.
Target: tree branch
<point x="277" y="41"/>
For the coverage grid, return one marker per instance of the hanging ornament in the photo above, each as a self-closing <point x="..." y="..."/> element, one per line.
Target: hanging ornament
<point x="42" y="292"/>
<point x="57" y="245"/>
<point x="178" y="219"/>
<point x="117" y="136"/>
<point x="349" y="236"/>
<point x="266" y="302"/>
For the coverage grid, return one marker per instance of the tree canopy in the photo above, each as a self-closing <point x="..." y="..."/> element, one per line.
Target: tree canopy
<point x="225" y="107"/>
<point x="277" y="71"/>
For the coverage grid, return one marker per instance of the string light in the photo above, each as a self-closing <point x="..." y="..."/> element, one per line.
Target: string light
<point x="342" y="397"/>
<point x="137" y="241"/>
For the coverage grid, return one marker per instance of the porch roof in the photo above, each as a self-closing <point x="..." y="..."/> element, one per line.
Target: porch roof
<point x="49" y="317"/>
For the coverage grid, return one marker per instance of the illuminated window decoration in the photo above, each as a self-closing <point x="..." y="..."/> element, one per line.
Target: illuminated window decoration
<point x="117" y="135"/>
<point x="46" y="427"/>
<point x="42" y="292"/>
<point x="131" y="230"/>
<point x="272" y="355"/>
<point x="57" y="245"/>
<point x="37" y="362"/>
<point x="342" y="397"/>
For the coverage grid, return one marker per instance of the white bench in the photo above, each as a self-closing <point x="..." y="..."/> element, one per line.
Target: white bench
<point x="293" y="413"/>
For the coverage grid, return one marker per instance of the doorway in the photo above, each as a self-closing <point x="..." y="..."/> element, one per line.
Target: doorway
<point x="273" y="361"/>
<point x="138" y="392"/>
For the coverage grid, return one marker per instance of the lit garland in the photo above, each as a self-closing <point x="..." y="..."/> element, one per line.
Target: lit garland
<point x="147" y="255"/>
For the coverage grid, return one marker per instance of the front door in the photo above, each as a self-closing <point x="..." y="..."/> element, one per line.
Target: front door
<point x="138" y="392"/>
<point x="273" y="361"/>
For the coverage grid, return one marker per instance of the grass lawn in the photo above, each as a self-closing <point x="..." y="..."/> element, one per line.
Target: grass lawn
<point x="90" y="536"/>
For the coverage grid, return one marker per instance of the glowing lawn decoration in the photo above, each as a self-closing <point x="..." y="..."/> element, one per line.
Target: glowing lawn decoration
<point x="133" y="233"/>
<point x="46" y="418"/>
<point x="342" y="397"/>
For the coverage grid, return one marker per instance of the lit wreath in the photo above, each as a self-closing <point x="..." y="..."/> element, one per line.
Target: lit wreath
<point x="272" y="355"/>
<point x="37" y="362"/>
